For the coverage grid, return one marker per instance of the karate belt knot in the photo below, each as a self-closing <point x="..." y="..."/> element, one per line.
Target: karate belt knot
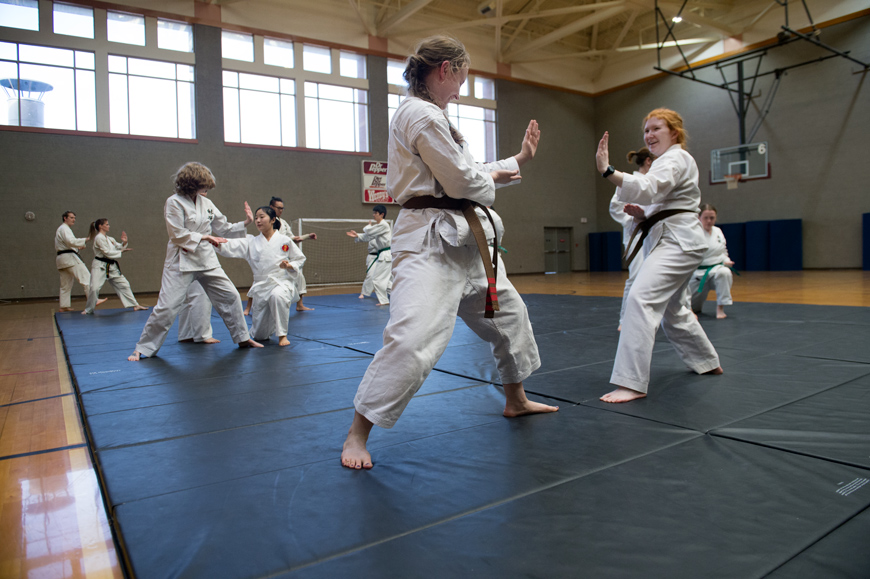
<point x="377" y="254"/>
<point x="707" y="269"/>
<point x="108" y="263"/>
<point x="645" y="226"/>
<point x="467" y="208"/>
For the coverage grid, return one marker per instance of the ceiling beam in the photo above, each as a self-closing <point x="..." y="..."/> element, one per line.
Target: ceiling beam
<point x="524" y="16"/>
<point x="369" y="29"/>
<point x="520" y="27"/>
<point x="567" y="30"/>
<point x="689" y="16"/>
<point x="402" y="15"/>
<point x="634" y="48"/>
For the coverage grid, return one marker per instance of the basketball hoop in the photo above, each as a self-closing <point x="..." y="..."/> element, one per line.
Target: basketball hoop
<point x="732" y="180"/>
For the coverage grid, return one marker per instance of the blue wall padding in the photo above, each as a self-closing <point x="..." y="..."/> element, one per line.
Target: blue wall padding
<point x="596" y="252"/>
<point x="786" y="245"/>
<point x="613" y="251"/>
<point x="757" y="246"/>
<point x="866" y="244"/>
<point x="735" y="240"/>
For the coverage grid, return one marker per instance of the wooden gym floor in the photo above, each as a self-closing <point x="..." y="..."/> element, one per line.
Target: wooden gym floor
<point x="52" y="518"/>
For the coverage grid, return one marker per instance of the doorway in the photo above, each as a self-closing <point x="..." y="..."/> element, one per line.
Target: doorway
<point x="557" y="249"/>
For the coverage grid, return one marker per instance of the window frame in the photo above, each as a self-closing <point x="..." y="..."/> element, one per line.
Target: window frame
<point x="101" y="48"/>
<point x="300" y="76"/>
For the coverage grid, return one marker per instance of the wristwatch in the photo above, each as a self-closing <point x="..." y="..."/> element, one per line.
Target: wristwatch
<point x="610" y="171"/>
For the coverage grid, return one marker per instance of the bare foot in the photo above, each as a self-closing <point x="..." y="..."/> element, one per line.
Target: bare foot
<point x="247" y="311"/>
<point x="720" y="313"/>
<point x="138" y="308"/>
<point x="619" y="329"/>
<point x="283" y="341"/>
<point x="134" y="357"/>
<point x="386" y="304"/>
<point x="516" y="403"/>
<point x="65" y="309"/>
<point x="362" y="297"/>
<point x="303" y="309"/>
<point x="86" y="313"/>
<point x="102" y="301"/>
<point x="715" y="372"/>
<point x="354" y="453"/>
<point x="210" y="341"/>
<point x="622" y="395"/>
<point x="250" y="344"/>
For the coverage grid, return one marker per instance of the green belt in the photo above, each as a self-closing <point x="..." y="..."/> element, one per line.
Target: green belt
<point x="707" y="272"/>
<point x="380" y="251"/>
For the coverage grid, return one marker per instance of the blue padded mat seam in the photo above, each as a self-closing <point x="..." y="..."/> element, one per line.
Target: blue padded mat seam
<point x="828" y="359"/>
<point x="372" y="448"/>
<point x="610" y="408"/>
<point x="479" y="509"/>
<point x="819" y="539"/>
<point x="790" y="451"/>
<point x="784" y="404"/>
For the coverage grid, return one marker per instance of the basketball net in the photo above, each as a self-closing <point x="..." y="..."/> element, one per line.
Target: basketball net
<point x="733" y="180"/>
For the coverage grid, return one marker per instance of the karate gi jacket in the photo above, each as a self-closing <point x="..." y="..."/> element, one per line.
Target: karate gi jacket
<point x="64" y="239"/>
<point x="187" y="222"/>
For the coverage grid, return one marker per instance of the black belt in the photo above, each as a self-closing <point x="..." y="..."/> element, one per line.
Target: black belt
<point x="467" y="208"/>
<point x="645" y="225"/>
<point x="70" y="251"/>
<point x="108" y="263"/>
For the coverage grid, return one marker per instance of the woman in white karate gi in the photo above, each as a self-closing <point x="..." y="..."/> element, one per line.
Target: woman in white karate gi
<point x="643" y="159"/>
<point x="672" y="251"/>
<point x="437" y="263"/>
<point x="105" y="267"/>
<point x="379" y="260"/>
<point x="275" y="261"/>
<point x="69" y="262"/>
<point x="714" y="272"/>
<point x="191" y="220"/>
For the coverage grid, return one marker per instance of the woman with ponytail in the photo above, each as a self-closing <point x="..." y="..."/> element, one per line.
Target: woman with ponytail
<point x="643" y="159"/>
<point x="105" y="267"/>
<point x="442" y="264"/>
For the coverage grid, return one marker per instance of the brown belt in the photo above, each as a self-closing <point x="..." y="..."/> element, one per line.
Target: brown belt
<point x="645" y="225"/>
<point x="467" y="208"/>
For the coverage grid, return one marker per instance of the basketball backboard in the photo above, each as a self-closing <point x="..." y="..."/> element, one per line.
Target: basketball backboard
<point x="749" y="161"/>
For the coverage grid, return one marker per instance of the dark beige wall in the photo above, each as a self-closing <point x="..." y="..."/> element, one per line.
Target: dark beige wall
<point x="817" y="132"/>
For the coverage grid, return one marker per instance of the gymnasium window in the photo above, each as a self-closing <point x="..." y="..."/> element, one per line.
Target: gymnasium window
<point x="336" y="117"/>
<point x="259" y="110"/>
<point x="73" y="20"/>
<point x="23" y="14"/>
<point x="295" y="95"/>
<point x="151" y="97"/>
<point x="96" y="69"/>
<point x="46" y="87"/>
<point x="172" y="35"/>
<point x="237" y="46"/>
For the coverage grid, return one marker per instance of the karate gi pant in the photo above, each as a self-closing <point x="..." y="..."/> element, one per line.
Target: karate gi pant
<point x="173" y="291"/>
<point x="633" y="268"/>
<point x="68" y="276"/>
<point x="429" y="290"/>
<point x="720" y="279"/>
<point x="271" y="314"/>
<point x="377" y="279"/>
<point x="658" y="296"/>
<point x="99" y="277"/>
<point x="301" y="286"/>
<point x="194" y="319"/>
